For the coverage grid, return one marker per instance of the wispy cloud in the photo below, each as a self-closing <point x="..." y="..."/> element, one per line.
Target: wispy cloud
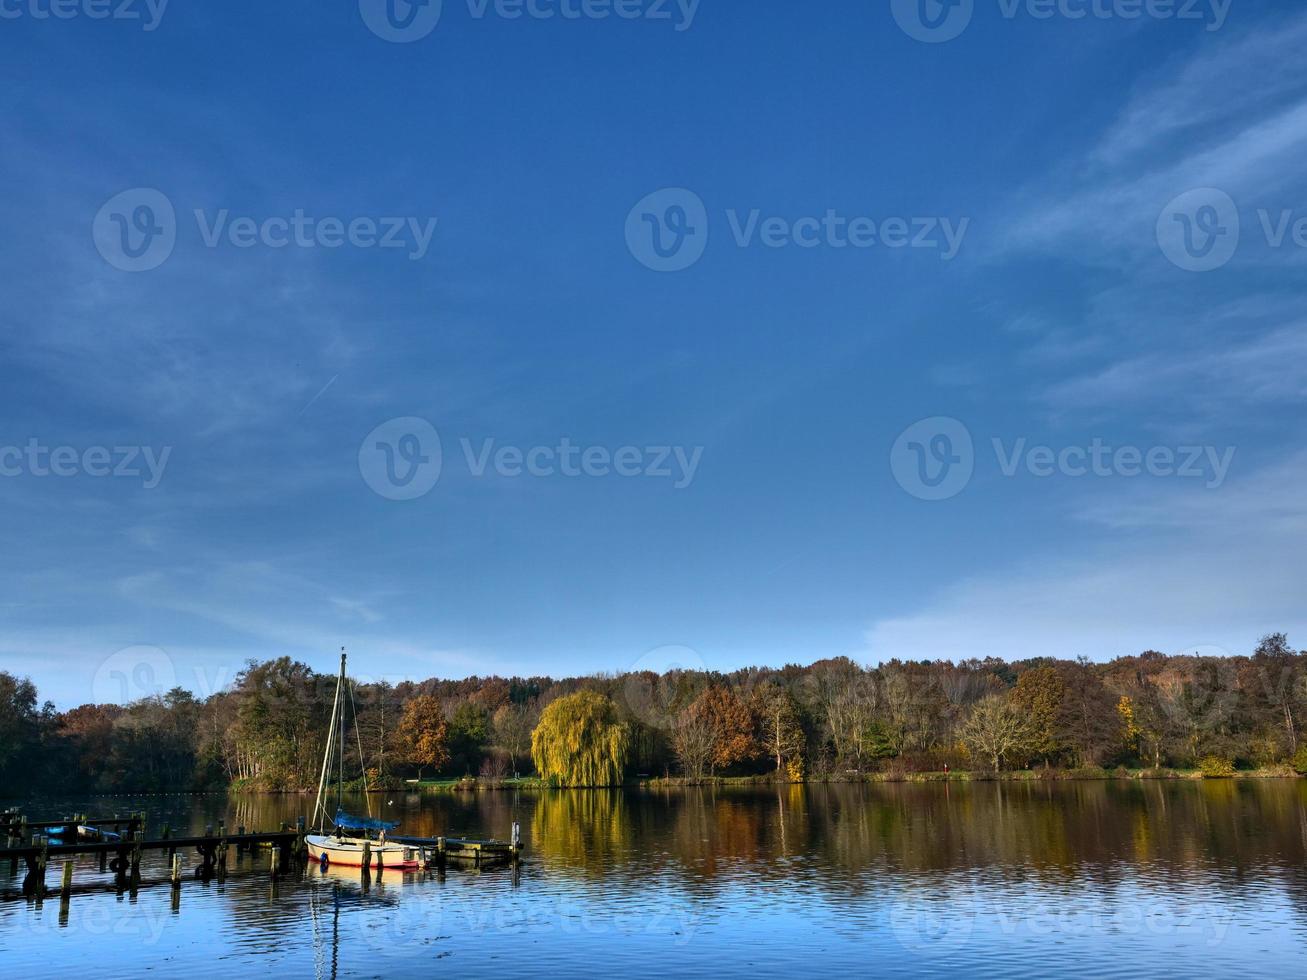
<point x="1208" y="380"/>
<point x="1232" y="116"/>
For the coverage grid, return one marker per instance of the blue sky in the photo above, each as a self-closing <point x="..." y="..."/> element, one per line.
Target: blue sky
<point x="1055" y="148"/>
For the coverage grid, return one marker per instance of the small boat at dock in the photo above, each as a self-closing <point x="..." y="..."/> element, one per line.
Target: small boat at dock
<point x="81" y="832"/>
<point x="353" y="842"/>
<point x="343" y="847"/>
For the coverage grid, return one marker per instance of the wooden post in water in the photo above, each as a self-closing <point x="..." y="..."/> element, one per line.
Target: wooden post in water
<point x="367" y="856"/>
<point x="104" y="860"/>
<point x="66" y="886"/>
<point x="222" y="851"/>
<point x="41" y="860"/>
<point x="176" y="870"/>
<point x="274" y="861"/>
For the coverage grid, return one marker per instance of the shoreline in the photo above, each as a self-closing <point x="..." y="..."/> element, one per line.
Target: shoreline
<point x="472" y="785"/>
<point x="475" y="785"/>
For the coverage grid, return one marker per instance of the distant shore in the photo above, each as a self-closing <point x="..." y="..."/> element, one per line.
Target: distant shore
<point x="470" y="784"/>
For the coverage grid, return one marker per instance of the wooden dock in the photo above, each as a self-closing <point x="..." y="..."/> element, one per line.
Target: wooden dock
<point x="437" y="851"/>
<point x="30" y="842"/>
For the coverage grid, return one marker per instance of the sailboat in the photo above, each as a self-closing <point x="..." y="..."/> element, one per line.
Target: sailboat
<point x="351" y="842"/>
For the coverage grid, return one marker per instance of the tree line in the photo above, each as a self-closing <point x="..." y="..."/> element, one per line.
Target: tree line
<point x="831" y="719"/>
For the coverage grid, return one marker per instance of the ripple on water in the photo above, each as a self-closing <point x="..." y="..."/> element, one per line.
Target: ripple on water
<point x="989" y="880"/>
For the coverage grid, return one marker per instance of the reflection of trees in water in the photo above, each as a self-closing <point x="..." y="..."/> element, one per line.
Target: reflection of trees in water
<point x="848" y="838"/>
<point x="1216" y="837"/>
<point x="584" y="830"/>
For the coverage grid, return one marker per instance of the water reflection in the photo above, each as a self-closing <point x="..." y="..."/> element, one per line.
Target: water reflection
<point x="926" y="878"/>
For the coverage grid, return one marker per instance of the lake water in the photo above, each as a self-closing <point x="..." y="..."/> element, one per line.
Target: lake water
<point x="986" y="879"/>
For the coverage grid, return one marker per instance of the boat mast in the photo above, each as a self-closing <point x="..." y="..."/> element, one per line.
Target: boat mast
<point x="340" y="784"/>
<point x="319" y="810"/>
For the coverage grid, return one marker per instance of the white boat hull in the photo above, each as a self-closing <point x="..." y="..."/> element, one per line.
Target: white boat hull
<point x="348" y="852"/>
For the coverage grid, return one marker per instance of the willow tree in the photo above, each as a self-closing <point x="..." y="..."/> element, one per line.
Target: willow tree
<point x="580" y="742"/>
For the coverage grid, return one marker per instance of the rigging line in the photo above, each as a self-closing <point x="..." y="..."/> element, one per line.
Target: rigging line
<point x="319" y="806"/>
<point x="362" y="765"/>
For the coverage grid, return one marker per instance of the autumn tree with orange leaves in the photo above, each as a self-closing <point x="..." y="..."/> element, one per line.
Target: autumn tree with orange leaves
<point x="424" y="733"/>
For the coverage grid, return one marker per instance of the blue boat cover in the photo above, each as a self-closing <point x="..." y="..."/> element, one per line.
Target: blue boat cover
<point x="348" y="822"/>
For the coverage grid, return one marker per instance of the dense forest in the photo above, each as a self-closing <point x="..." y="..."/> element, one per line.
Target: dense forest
<point x="833" y="719"/>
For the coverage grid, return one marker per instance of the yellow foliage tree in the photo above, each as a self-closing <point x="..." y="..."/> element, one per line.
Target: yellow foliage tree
<point x="580" y="742"/>
<point x="1130" y="731"/>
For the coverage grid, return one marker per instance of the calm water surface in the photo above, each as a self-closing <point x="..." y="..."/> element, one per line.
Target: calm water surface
<point x="1051" y="880"/>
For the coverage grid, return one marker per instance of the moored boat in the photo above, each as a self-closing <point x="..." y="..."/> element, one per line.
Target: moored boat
<point x="82" y="832"/>
<point x="354" y="853"/>
<point x="353" y="842"/>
